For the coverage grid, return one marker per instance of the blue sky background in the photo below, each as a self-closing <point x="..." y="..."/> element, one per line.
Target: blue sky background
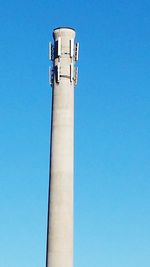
<point x="112" y="131"/>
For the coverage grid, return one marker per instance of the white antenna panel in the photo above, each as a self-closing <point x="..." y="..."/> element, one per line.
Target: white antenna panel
<point x="71" y="47"/>
<point x="58" y="72"/>
<point x="76" y="76"/>
<point x="50" y="51"/>
<point x="59" y="46"/>
<point x="71" y="72"/>
<point x="77" y="52"/>
<point x="50" y="76"/>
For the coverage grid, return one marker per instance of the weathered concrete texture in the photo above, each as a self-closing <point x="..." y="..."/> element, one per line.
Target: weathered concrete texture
<point x="60" y="223"/>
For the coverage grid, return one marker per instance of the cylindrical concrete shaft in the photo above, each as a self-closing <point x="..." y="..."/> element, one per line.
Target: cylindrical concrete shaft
<point x="60" y="221"/>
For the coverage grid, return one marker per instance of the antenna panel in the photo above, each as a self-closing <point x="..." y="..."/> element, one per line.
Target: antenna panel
<point x="71" y="48"/>
<point x="59" y="47"/>
<point x="76" y="76"/>
<point x="51" y="75"/>
<point x="50" y="51"/>
<point x="71" y="72"/>
<point x="58" y="73"/>
<point x="76" y="51"/>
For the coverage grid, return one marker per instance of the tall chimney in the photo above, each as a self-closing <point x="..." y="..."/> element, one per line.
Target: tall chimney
<point x="63" y="78"/>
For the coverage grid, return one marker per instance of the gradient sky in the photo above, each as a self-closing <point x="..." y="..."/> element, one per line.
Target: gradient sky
<point x="112" y="130"/>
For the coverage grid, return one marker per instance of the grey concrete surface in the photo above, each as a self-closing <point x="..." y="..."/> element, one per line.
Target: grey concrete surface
<point x="60" y="210"/>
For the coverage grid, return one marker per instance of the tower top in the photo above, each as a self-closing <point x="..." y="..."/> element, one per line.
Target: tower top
<point x="69" y="28"/>
<point x="64" y="54"/>
<point x="64" y="32"/>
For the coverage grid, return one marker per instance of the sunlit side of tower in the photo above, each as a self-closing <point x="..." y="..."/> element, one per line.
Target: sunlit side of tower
<point x="63" y="78"/>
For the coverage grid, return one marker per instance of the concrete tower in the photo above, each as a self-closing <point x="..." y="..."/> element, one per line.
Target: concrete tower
<point x="63" y="78"/>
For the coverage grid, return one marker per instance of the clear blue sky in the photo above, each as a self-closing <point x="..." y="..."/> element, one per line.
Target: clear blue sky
<point x="112" y="130"/>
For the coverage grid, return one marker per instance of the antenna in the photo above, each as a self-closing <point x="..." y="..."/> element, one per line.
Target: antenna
<point x="76" y="76"/>
<point x="76" y="51"/>
<point x="71" y="72"/>
<point x="51" y="52"/>
<point x="59" y="47"/>
<point x="71" y="48"/>
<point x="51" y="75"/>
<point x="58" y="73"/>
